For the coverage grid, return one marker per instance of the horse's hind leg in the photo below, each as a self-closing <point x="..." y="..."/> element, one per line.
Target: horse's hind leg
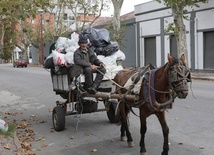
<point x="122" y="131"/>
<point x="143" y="129"/>
<point x="129" y="136"/>
<point x="125" y="127"/>
<point x="126" y="134"/>
<point x="165" y="130"/>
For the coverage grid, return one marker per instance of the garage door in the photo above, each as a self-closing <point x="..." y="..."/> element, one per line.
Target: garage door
<point x="209" y="50"/>
<point x="150" y="51"/>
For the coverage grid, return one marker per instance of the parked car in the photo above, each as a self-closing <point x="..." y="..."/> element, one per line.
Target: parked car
<point x="20" y="63"/>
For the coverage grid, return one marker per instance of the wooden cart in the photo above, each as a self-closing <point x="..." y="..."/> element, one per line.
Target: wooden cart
<point x="67" y="83"/>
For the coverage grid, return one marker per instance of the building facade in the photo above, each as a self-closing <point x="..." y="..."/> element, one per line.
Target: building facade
<point x="128" y="46"/>
<point x="152" y="18"/>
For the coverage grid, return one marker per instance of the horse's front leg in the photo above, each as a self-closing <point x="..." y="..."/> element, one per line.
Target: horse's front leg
<point x="143" y="129"/>
<point x="165" y="130"/>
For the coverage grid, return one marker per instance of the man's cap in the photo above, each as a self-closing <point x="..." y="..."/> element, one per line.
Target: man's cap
<point x="82" y="40"/>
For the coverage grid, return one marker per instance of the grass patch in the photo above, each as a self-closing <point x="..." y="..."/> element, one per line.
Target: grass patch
<point x="10" y="131"/>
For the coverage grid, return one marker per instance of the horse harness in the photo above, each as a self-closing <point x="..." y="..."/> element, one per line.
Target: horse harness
<point x="145" y="76"/>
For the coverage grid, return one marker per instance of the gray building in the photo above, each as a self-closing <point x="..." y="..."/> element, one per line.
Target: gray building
<point x="153" y="44"/>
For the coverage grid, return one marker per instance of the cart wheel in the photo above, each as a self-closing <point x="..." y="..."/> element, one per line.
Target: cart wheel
<point x="58" y="118"/>
<point x="113" y="118"/>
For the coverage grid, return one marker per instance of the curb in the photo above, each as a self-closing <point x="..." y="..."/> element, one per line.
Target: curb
<point x="203" y="78"/>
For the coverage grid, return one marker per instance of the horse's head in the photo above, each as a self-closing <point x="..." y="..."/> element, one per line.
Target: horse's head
<point x="178" y="75"/>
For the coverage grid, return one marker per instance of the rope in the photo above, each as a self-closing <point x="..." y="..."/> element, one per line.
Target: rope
<point x="163" y="92"/>
<point x="109" y="79"/>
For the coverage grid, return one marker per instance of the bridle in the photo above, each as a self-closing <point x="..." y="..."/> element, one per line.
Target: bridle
<point x="178" y="76"/>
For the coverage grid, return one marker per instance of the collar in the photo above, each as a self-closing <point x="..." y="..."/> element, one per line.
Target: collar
<point x="84" y="51"/>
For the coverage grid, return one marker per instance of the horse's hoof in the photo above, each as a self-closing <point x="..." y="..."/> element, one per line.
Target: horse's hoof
<point x="123" y="138"/>
<point x="131" y="144"/>
<point x="143" y="153"/>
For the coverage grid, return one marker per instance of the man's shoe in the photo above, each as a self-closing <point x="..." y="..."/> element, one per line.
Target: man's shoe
<point x="92" y="90"/>
<point x="95" y="85"/>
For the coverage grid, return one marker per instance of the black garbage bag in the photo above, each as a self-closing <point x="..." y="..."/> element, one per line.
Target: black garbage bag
<point x="107" y="50"/>
<point x="49" y="62"/>
<point x="98" y="37"/>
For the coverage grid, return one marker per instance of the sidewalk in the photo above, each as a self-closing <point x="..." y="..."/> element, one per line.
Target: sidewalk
<point x="10" y="145"/>
<point x="202" y="76"/>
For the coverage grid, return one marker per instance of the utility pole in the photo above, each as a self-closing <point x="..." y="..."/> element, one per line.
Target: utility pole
<point x="40" y="11"/>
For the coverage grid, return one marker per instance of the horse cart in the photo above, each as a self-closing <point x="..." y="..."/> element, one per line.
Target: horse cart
<point x="154" y="92"/>
<point x="67" y="82"/>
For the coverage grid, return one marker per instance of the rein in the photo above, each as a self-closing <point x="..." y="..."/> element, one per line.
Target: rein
<point x="153" y="104"/>
<point x="109" y="78"/>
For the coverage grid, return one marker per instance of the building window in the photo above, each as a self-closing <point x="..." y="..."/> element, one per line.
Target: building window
<point x="91" y="1"/>
<point x="30" y="55"/>
<point x="71" y="17"/>
<point x="47" y="22"/>
<point x="65" y="17"/>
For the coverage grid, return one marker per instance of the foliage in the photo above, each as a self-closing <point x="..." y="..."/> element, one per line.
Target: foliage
<point x="182" y="3"/>
<point x="11" y="12"/>
<point x="116" y="35"/>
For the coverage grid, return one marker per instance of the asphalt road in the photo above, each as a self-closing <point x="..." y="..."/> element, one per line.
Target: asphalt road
<point x="26" y="95"/>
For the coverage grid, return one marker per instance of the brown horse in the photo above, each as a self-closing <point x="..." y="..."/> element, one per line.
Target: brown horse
<point x="157" y="91"/>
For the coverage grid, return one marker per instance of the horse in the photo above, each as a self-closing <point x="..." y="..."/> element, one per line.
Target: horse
<point x="158" y="89"/>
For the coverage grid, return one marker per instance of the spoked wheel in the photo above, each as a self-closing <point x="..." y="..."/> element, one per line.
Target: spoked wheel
<point x="58" y="118"/>
<point x="112" y="116"/>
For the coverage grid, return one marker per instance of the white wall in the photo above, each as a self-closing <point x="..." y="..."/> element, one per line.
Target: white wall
<point x="205" y="19"/>
<point x="152" y="15"/>
<point x="151" y="27"/>
<point x="158" y="51"/>
<point x="199" y="54"/>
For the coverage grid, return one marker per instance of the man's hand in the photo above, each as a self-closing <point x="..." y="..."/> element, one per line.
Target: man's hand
<point x="93" y="67"/>
<point x="102" y="65"/>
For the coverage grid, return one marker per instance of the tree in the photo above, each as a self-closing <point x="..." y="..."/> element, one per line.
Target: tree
<point x="178" y="27"/>
<point x="30" y="33"/>
<point x="89" y="12"/>
<point x="82" y="14"/>
<point x="12" y="12"/>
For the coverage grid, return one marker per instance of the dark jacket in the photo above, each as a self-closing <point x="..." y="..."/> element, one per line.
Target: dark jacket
<point x="80" y="58"/>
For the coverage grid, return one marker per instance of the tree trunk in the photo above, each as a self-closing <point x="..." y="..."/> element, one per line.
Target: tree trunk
<point x="2" y="40"/>
<point x="180" y="31"/>
<point x="117" y="9"/>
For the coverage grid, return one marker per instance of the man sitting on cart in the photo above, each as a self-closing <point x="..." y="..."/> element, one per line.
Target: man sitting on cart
<point x="86" y="58"/>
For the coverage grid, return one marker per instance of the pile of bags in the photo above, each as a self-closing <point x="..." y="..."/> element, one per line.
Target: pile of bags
<point x="108" y="52"/>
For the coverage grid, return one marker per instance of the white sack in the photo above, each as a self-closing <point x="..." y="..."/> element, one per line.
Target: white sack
<point x="74" y="38"/>
<point x="120" y="55"/>
<point x="69" y="58"/>
<point x="63" y="43"/>
<point x="58" y="58"/>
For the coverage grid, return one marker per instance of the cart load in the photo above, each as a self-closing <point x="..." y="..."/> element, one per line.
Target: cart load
<point x="68" y="80"/>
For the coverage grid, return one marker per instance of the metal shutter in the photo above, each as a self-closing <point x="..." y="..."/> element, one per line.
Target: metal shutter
<point x="150" y="51"/>
<point x="209" y="50"/>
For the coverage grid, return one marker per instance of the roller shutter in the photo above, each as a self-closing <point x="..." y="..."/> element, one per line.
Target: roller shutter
<point x="150" y="51"/>
<point x="209" y="50"/>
